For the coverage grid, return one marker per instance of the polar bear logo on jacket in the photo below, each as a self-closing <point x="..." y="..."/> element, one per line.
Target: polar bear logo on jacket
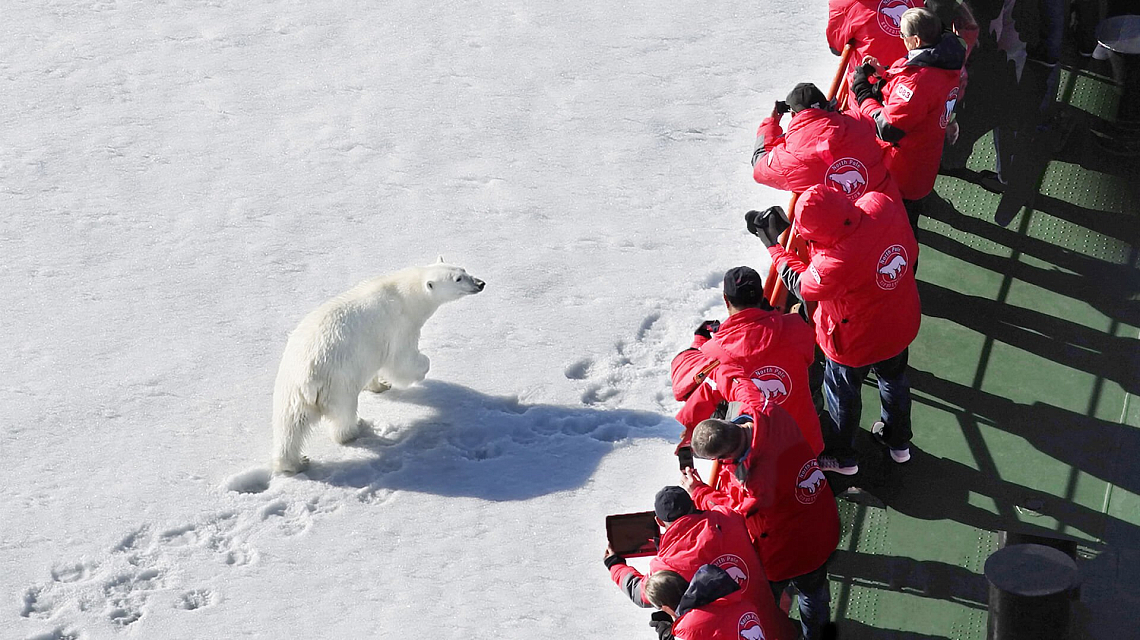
<point x="894" y="267"/>
<point x="749" y="627"/>
<point x="773" y="382"/>
<point x="848" y="180"/>
<point x="365" y="338"/>
<point x="752" y="633"/>
<point x="808" y="482"/>
<point x="811" y="484"/>
<point x="848" y="174"/>
<point x="771" y="388"/>
<point x="890" y="16"/>
<point x="891" y="267"/>
<point x="736" y="574"/>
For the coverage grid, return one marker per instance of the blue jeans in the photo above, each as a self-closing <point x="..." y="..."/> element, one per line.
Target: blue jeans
<point x="1054" y="15"/>
<point x="815" y="600"/>
<point x="842" y="386"/>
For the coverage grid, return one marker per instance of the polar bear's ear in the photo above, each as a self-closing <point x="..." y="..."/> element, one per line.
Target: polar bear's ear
<point x="440" y="259"/>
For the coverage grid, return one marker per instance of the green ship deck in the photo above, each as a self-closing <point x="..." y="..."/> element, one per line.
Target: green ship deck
<point x="1024" y="377"/>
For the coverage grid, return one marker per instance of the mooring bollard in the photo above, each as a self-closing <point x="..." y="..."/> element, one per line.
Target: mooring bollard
<point x="1029" y="592"/>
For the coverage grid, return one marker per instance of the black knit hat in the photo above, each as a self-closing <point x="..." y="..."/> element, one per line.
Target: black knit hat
<point x="743" y="286"/>
<point x="671" y="503"/>
<point x="807" y="96"/>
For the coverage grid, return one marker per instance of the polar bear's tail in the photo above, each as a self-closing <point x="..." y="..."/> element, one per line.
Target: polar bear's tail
<point x="293" y="419"/>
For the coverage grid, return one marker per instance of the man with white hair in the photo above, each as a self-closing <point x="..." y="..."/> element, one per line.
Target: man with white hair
<point x="913" y="102"/>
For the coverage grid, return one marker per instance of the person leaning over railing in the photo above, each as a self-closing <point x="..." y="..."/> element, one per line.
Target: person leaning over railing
<point x="694" y="538"/>
<point x="776" y="483"/>
<point x="709" y="607"/>
<point x="870" y="26"/>
<point x="773" y="347"/>
<point x="820" y="146"/>
<point x="912" y="103"/>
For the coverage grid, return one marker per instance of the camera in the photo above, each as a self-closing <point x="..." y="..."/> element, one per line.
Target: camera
<point x="782" y="107"/>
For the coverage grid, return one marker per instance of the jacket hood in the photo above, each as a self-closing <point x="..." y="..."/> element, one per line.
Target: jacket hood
<point x="949" y="53"/>
<point x="692" y="531"/>
<point x="825" y="216"/>
<point x="807" y="116"/>
<point x="709" y="584"/>
<point x="743" y="333"/>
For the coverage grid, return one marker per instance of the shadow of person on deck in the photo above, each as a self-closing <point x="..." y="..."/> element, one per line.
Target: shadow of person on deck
<point x="1067" y="343"/>
<point x="1089" y="444"/>
<point x="925" y="578"/>
<point x="1109" y="287"/>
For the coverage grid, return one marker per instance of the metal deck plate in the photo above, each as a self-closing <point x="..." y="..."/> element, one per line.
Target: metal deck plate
<point x="1024" y="379"/>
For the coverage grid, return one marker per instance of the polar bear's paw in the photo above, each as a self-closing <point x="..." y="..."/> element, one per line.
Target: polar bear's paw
<point x="290" y="467"/>
<point x="345" y="435"/>
<point x="377" y="386"/>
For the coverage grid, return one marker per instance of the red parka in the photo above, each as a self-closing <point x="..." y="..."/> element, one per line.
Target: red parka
<point x="821" y="147"/>
<point x="871" y="26"/>
<point x="919" y="96"/>
<point x="718" y="537"/>
<point x="711" y="609"/>
<point x="774" y="349"/>
<point x="861" y="274"/>
<point x="779" y="488"/>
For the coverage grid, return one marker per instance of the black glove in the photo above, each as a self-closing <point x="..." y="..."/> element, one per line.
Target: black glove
<point x="612" y="560"/>
<point x="767" y="225"/>
<point x="861" y="83"/>
<point x="707" y="328"/>
<point x="663" y="624"/>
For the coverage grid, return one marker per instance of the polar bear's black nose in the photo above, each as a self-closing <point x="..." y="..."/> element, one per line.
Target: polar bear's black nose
<point x="479" y="284"/>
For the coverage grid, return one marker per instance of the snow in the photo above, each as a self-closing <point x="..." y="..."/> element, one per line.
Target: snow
<point x="182" y="180"/>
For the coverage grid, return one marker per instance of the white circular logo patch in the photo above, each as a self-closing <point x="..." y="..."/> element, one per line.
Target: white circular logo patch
<point x="773" y="382"/>
<point x="809" y="481"/>
<point x="734" y="567"/>
<point x="951" y="102"/>
<point x="849" y="175"/>
<point x="749" y="627"/>
<point x="892" y="265"/>
<point x="890" y="13"/>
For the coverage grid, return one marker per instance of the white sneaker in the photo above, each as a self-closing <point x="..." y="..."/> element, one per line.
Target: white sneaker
<point x="833" y="464"/>
<point x="898" y="455"/>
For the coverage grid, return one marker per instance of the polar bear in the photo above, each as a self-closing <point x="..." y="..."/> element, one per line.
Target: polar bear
<point x="367" y="337"/>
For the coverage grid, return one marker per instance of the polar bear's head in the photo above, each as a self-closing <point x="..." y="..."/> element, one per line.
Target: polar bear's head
<point x="446" y="282"/>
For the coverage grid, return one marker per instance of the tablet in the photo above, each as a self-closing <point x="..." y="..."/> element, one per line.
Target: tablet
<point x="633" y="534"/>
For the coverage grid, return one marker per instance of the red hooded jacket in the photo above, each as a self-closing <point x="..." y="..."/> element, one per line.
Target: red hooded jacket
<point x="861" y="273"/>
<point x="871" y="26"/>
<point x="919" y="97"/>
<point x="821" y="147"/>
<point x="773" y="348"/>
<point x="712" y="609"/>
<point x="778" y="486"/>
<point x="718" y="537"/>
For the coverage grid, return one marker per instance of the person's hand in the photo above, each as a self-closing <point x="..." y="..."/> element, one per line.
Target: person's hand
<point x="690" y="479"/>
<point x="861" y="83"/>
<point x="767" y="225"/>
<point x="707" y="328"/>
<point x="611" y="558"/>
<point x="952" y="132"/>
<point x="876" y="67"/>
<point x="662" y="623"/>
